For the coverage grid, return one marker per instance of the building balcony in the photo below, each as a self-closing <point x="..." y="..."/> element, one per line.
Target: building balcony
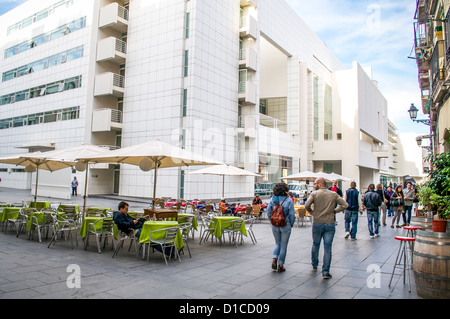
<point x="248" y="59"/>
<point x="248" y="27"/>
<point x="106" y="120"/>
<point x="438" y="72"/>
<point x="247" y="93"/>
<point x="421" y="10"/>
<point x="109" y="84"/>
<point x="111" y="49"/>
<point x="245" y="3"/>
<point x="247" y="126"/>
<point x="382" y="151"/>
<point x="114" y="16"/>
<point x="272" y="123"/>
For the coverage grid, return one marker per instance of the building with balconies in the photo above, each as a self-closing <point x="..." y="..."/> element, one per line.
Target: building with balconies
<point x="243" y="81"/>
<point x="432" y="49"/>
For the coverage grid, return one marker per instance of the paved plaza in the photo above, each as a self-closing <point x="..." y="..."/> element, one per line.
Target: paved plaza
<point x="361" y="269"/>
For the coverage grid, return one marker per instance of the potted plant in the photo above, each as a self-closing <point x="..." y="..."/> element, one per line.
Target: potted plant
<point x="424" y="193"/>
<point x="440" y="185"/>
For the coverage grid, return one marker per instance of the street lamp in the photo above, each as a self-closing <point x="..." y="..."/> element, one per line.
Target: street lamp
<point x="413" y="115"/>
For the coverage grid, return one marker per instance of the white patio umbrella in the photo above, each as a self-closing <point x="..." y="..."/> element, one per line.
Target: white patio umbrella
<point x="152" y="155"/>
<point x="69" y="156"/>
<point x="224" y="170"/>
<point x="33" y="162"/>
<point x="339" y="178"/>
<point x="302" y="176"/>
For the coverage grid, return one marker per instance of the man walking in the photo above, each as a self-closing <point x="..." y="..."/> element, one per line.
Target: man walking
<point x="351" y="213"/>
<point x="372" y="201"/>
<point x="326" y="204"/>
<point x="409" y="199"/>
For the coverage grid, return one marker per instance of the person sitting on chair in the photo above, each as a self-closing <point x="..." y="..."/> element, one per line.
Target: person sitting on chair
<point x="125" y="222"/>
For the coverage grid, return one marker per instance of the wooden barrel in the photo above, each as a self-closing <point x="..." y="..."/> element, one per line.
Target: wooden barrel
<point x="421" y="222"/>
<point x="431" y="264"/>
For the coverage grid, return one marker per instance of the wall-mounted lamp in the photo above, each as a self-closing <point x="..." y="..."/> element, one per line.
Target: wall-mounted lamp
<point x="413" y="115"/>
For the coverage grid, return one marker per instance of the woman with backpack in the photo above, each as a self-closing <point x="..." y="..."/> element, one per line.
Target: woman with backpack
<point x="281" y="213"/>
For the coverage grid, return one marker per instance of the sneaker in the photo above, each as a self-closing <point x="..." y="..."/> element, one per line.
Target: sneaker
<point x="377" y="235"/>
<point x="314" y="267"/>
<point x="327" y="276"/>
<point x="372" y="237"/>
<point x="347" y="234"/>
<point x="353" y="238"/>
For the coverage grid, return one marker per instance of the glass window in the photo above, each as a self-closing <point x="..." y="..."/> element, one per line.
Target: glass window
<point x="5" y="99"/>
<point x="42" y="15"/>
<point x="74" y="54"/>
<point x="20" y="96"/>
<point x="52" y="88"/>
<point x="49" y="117"/>
<point x="9" y="75"/>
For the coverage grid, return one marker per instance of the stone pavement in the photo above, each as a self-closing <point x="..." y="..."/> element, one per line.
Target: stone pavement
<point x="28" y="269"/>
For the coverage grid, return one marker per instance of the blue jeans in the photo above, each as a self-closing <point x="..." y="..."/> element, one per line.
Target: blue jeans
<point x="325" y="231"/>
<point x="351" y="218"/>
<point x="372" y="218"/>
<point x="74" y="191"/>
<point x="281" y="235"/>
<point x="408" y="210"/>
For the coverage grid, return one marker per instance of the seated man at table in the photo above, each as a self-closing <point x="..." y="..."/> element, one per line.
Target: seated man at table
<point x="125" y="222"/>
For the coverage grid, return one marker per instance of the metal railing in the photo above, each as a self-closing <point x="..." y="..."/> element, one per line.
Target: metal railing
<point x="437" y="72"/>
<point x="119" y="80"/>
<point x="121" y="46"/>
<point x="122" y="12"/>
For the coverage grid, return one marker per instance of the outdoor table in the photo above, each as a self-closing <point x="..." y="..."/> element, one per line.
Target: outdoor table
<point x="182" y="219"/>
<point x="224" y="222"/>
<point x="153" y="225"/>
<point x="40" y="205"/>
<point x="91" y="220"/>
<point x="62" y="206"/>
<point x="4" y="211"/>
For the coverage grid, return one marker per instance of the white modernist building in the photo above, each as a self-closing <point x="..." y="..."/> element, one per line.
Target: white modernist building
<point x="243" y="81"/>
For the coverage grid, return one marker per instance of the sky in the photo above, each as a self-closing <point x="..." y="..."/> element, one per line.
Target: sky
<point x="375" y="33"/>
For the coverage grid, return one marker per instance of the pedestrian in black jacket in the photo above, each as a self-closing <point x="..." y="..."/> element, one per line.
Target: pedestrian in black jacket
<point x="372" y="201"/>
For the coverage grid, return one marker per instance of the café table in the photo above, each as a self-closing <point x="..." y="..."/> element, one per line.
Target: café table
<point x="4" y="211"/>
<point x="153" y="225"/>
<point x="225" y="222"/>
<point x="40" y="205"/>
<point x="170" y="204"/>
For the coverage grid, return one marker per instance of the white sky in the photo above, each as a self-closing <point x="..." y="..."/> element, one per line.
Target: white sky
<point x="377" y="34"/>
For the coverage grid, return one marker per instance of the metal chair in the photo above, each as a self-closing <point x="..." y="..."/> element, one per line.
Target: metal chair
<point x="101" y="232"/>
<point x="62" y="226"/>
<point x="206" y="227"/>
<point x="42" y="222"/>
<point x="95" y="213"/>
<point x="185" y="229"/>
<point x="257" y="212"/>
<point x="234" y="232"/>
<point x="23" y="218"/>
<point x="124" y="237"/>
<point x="167" y="242"/>
<point x="249" y="228"/>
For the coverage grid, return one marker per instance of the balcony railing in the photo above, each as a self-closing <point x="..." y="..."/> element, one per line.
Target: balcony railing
<point x="437" y="64"/>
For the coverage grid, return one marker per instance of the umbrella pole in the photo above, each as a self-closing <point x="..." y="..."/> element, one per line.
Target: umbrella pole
<point x="85" y="187"/>
<point x="154" y="186"/>
<point x="223" y="186"/>
<point x="35" y="187"/>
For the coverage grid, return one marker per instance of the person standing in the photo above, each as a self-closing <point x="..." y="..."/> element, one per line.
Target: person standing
<point x="383" y="207"/>
<point x="408" y="196"/>
<point x="387" y="195"/>
<point x="351" y="213"/>
<point x="397" y="205"/>
<point x="74" y="185"/>
<point x="281" y="234"/>
<point x="326" y="204"/>
<point x="372" y="202"/>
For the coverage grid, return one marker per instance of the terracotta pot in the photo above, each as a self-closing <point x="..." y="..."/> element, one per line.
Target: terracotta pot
<point x="439" y="225"/>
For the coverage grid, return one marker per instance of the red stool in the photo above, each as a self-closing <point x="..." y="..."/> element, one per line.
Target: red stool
<point x="411" y="231"/>
<point x="403" y="260"/>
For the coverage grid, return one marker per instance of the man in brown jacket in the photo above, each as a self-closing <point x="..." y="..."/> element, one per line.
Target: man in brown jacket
<point x="326" y="204"/>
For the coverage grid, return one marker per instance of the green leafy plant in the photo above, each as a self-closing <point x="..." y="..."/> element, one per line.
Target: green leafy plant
<point x="424" y="193"/>
<point x="439" y="184"/>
